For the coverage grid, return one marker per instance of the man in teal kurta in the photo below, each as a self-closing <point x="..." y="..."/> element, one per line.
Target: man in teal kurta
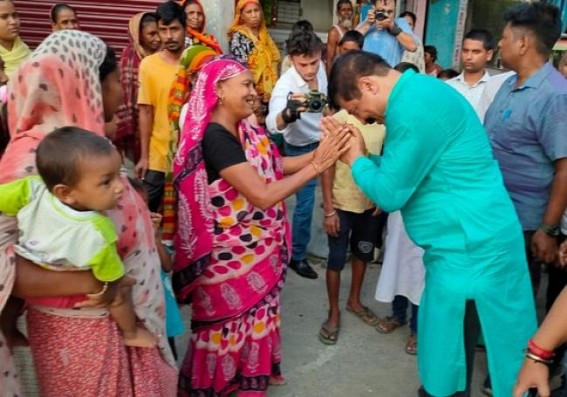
<point x="438" y="169"/>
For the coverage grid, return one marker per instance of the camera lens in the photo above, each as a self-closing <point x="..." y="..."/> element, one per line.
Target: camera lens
<point x="380" y="15"/>
<point x="316" y="105"/>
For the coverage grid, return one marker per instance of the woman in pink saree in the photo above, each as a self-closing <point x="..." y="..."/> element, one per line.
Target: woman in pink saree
<point x="233" y="238"/>
<point x="72" y="79"/>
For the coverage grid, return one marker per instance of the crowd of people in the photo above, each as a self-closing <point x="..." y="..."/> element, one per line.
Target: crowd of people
<point x="471" y="187"/>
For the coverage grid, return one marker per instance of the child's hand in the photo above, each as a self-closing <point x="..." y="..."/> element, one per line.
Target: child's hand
<point x="156" y="222"/>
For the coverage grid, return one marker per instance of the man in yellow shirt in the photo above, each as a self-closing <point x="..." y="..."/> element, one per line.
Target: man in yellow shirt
<point x="156" y="75"/>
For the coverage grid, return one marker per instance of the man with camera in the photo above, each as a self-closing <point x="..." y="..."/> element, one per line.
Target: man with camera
<point x="384" y="35"/>
<point x="297" y="100"/>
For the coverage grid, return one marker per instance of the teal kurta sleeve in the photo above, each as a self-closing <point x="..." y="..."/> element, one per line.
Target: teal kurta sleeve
<point x="409" y="155"/>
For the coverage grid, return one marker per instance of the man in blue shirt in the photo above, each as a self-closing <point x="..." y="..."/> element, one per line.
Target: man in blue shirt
<point x="384" y="35"/>
<point x="526" y="125"/>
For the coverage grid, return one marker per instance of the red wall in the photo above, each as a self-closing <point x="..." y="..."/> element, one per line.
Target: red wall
<point x="106" y="19"/>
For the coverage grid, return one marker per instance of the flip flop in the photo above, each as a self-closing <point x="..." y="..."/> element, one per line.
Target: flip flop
<point x="327" y="335"/>
<point x="411" y="345"/>
<point x="388" y="324"/>
<point x="365" y="314"/>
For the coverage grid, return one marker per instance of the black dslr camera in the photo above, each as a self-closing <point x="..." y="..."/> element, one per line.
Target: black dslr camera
<point x="315" y="101"/>
<point x="380" y="15"/>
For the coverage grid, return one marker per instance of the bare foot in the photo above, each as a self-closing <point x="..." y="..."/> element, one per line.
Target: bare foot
<point x="277" y="380"/>
<point x="15" y="338"/>
<point x="142" y="338"/>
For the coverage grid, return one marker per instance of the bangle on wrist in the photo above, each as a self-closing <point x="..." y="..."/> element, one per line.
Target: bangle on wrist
<point x="534" y="357"/>
<point x="540" y="352"/>
<point x="395" y="29"/>
<point x="330" y="214"/>
<point x="101" y="292"/>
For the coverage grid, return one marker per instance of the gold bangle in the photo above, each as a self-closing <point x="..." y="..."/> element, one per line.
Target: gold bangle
<point x="101" y="292"/>
<point x="330" y="214"/>
<point x="315" y="167"/>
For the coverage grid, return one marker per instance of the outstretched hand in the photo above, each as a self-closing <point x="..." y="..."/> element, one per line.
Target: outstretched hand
<point x="333" y="144"/>
<point x="532" y="375"/>
<point x="356" y="146"/>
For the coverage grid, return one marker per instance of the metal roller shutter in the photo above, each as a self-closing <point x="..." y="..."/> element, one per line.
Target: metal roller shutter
<point x="106" y="19"/>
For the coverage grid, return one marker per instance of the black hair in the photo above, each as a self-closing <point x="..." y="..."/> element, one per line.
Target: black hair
<point x="169" y="12"/>
<point x="431" y="50"/>
<point x="57" y="8"/>
<point x="109" y="63"/>
<point x="354" y="36"/>
<point x="484" y="36"/>
<point x="541" y="19"/>
<point x="301" y="26"/>
<point x="347" y="69"/>
<point x="149" y="17"/>
<point x="376" y="1"/>
<point x="409" y="14"/>
<point x="447" y="74"/>
<point x="60" y="153"/>
<point x="403" y="66"/>
<point x="341" y="2"/>
<point x="304" y="43"/>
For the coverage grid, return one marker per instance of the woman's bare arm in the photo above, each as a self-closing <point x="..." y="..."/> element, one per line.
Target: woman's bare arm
<point x="32" y="281"/>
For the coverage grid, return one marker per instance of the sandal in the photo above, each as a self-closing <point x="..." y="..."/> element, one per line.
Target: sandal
<point x="365" y="314"/>
<point x="328" y="335"/>
<point x="388" y="324"/>
<point x="277" y="381"/>
<point x="411" y="345"/>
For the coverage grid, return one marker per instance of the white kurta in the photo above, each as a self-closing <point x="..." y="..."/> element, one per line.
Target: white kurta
<point x="402" y="272"/>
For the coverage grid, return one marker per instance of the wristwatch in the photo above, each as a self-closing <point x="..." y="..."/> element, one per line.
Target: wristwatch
<point x="550" y="230"/>
<point x="395" y="30"/>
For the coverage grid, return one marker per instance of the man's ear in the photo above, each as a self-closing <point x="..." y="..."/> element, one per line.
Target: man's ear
<point x="526" y="41"/>
<point x="64" y="193"/>
<point x="489" y="55"/>
<point x="367" y="84"/>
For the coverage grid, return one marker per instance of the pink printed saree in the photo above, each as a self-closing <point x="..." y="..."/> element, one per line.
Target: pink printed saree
<point x="230" y="258"/>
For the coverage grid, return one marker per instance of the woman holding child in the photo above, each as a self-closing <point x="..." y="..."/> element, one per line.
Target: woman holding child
<point x="73" y="79"/>
<point x="233" y="238"/>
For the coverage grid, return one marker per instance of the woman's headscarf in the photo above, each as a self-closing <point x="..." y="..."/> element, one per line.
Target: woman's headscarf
<point x="14" y="57"/>
<point x="60" y="86"/>
<point x="264" y="58"/>
<point x="200" y="36"/>
<point x="127" y="139"/>
<point x="193" y="240"/>
<point x="192" y="60"/>
<point x="134" y="29"/>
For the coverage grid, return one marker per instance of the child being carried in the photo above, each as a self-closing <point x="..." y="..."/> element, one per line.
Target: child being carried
<point x="62" y="227"/>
